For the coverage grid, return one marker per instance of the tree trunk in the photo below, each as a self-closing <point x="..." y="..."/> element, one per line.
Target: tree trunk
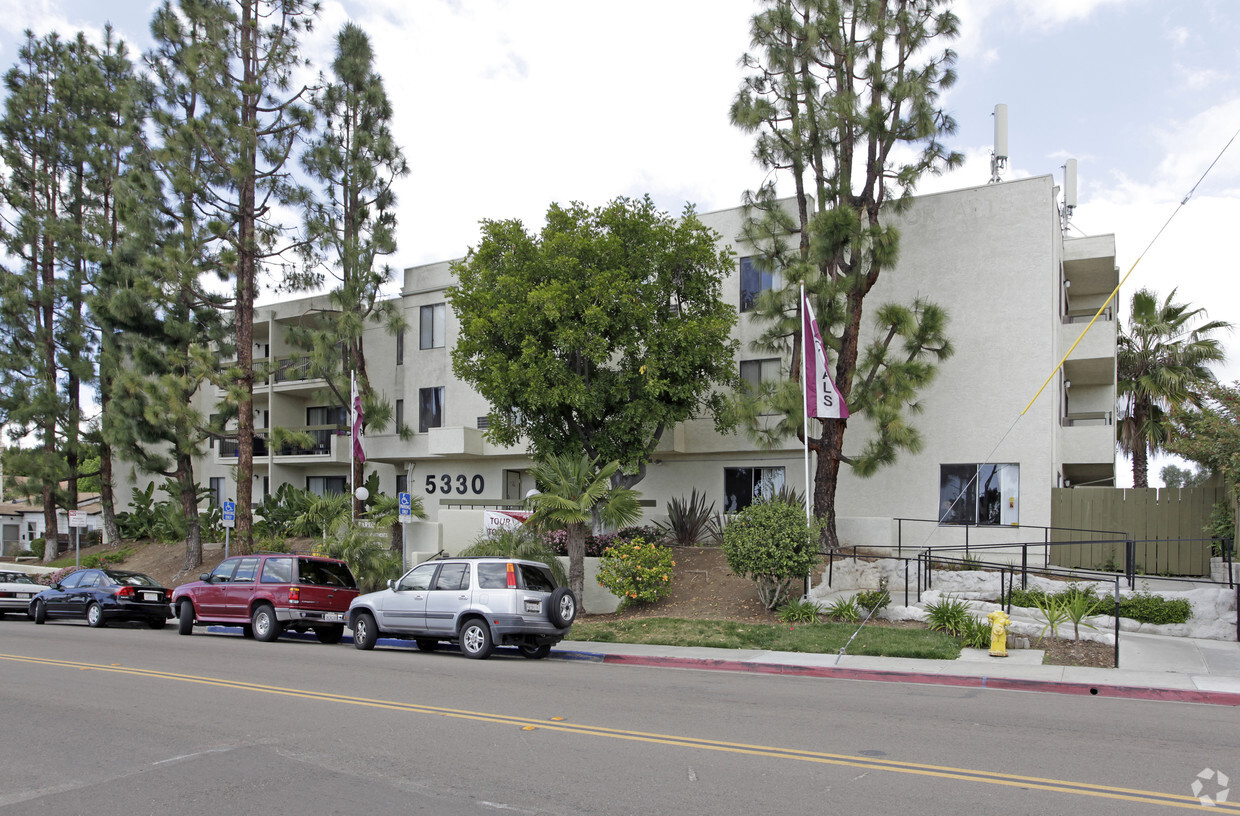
<point x="107" y="496"/>
<point x="247" y="263"/>
<point x="576" y="546"/>
<point x="826" y="480"/>
<point x="189" y="508"/>
<point x="1140" y="451"/>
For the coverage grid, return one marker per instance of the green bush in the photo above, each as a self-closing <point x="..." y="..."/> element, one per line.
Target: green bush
<point x="976" y="634"/>
<point x="636" y="571"/>
<point x="771" y="544"/>
<point x="1143" y="608"/>
<point x="799" y="611"/>
<point x="519" y="543"/>
<point x="845" y="610"/>
<point x="37" y="547"/>
<point x="1147" y="608"/>
<point x="950" y="615"/>
<point x="873" y="600"/>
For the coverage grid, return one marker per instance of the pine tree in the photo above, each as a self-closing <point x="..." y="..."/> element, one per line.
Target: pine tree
<point x="355" y="161"/>
<point x="842" y="100"/>
<point x="253" y="115"/>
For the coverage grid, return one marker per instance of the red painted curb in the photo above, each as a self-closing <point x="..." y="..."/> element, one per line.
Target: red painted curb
<point x="1225" y="698"/>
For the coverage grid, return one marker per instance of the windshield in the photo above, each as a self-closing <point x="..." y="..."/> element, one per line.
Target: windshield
<point x="15" y="578"/>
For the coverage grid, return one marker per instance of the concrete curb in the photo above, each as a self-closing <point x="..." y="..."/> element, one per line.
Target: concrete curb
<point x="1107" y="691"/>
<point x="1223" y="698"/>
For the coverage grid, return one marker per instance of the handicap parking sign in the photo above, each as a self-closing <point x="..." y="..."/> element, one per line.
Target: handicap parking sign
<point x="406" y="506"/>
<point x="230" y="513"/>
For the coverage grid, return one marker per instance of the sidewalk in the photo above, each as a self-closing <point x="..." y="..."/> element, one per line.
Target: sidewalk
<point x="1153" y="667"/>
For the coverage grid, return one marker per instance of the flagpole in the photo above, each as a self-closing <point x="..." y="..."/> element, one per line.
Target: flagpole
<point x="352" y="444"/>
<point x="805" y="346"/>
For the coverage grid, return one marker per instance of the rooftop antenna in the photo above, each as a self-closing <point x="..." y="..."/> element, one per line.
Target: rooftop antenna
<point x="999" y="156"/>
<point x="1069" y="192"/>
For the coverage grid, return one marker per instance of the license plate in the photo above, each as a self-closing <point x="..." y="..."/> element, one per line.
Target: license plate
<point x="532" y="605"/>
<point x="150" y="596"/>
<point x="22" y="595"/>
<point x="333" y="616"/>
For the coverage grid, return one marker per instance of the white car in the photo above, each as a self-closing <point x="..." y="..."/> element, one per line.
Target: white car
<point x="16" y="590"/>
<point x="478" y="603"/>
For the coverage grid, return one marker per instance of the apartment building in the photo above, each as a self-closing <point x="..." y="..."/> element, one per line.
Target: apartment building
<point x="1018" y="293"/>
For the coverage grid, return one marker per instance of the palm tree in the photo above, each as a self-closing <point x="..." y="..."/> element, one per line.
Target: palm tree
<point x="576" y="491"/>
<point x="1162" y="364"/>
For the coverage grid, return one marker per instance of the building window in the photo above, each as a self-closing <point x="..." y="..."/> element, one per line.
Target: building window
<point x="744" y="486"/>
<point x="430" y="408"/>
<point x="402" y="483"/>
<point x="400" y="347"/>
<point x="327" y="485"/>
<point x="217" y="491"/>
<point x="400" y="414"/>
<point x="979" y="494"/>
<point x="432" y="326"/>
<point x="755" y="280"/>
<point x="756" y="372"/>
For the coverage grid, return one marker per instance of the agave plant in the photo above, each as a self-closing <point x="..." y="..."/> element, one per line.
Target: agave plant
<point x="691" y="522"/>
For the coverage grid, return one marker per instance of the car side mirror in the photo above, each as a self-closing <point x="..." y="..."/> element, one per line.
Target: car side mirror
<point x="392" y="584"/>
<point x="205" y="577"/>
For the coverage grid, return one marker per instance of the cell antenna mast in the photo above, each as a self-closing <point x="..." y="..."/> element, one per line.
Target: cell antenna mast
<point x="999" y="156"/>
<point x="1069" y="192"/>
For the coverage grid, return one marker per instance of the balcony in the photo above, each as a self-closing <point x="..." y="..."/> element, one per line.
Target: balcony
<point x="326" y="443"/>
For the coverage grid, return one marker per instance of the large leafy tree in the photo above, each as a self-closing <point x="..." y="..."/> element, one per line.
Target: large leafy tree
<point x="598" y="334"/>
<point x="574" y="492"/>
<point x="253" y="115"/>
<point x="843" y="101"/>
<point x="355" y="161"/>
<point x="1209" y="434"/>
<point x="1163" y="362"/>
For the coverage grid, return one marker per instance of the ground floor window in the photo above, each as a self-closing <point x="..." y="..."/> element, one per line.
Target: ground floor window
<point x="979" y="494"/>
<point x="326" y="485"/>
<point x="744" y="486"/>
<point x="217" y="491"/>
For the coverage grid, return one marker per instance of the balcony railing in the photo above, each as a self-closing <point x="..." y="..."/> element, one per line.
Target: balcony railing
<point x="1086" y="418"/>
<point x="322" y="436"/>
<point x="1086" y="315"/>
<point x="228" y="447"/>
<point x="294" y="369"/>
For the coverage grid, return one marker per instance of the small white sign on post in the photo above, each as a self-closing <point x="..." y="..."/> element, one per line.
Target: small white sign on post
<point x="78" y="519"/>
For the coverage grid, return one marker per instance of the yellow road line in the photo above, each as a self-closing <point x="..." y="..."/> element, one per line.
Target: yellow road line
<point x="772" y="752"/>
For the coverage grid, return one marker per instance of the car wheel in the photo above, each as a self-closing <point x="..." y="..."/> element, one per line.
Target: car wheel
<point x="329" y="634"/>
<point x="156" y="623"/>
<point x="426" y="644"/>
<point x="476" y="639"/>
<point x="185" y="618"/>
<point x="365" y="631"/>
<point x="40" y="612"/>
<point x="266" y="627"/>
<point x="563" y="609"/>
<point x="94" y="615"/>
<point x="534" y="652"/>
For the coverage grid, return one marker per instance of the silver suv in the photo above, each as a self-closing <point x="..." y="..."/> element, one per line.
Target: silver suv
<point x="479" y="603"/>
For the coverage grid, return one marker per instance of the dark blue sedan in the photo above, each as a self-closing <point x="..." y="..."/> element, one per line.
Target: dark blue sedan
<point x="102" y="595"/>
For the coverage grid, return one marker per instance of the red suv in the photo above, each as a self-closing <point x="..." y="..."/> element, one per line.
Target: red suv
<point x="268" y="593"/>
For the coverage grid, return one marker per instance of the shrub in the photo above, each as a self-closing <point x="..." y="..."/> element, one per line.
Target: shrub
<point x="1053" y="611"/>
<point x="518" y="543"/>
<point x="976" y="634"/>
<point x="875" y="599"/>
<point x="637" y="572"/>
<point x="52" y="578"/>
<point x="845" y="610"/>
<point x="690" y="521"/>
<point x="799" y="611"/>
<point x="557" y="542"/>
<point x="950" y="615"/>
<point x="37" y="547"/>
<point x="1147" y="608"/>
<point x="771" y="544"/>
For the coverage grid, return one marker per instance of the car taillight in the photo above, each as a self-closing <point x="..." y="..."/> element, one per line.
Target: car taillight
<point x="512" y="576"/>
<point x="294" y="594"/>
<point x="125" y="592"/>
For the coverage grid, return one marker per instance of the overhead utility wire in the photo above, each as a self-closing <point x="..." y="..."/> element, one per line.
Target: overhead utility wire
<point x="1115" y="291"/>
<point x="1097" y="314"/>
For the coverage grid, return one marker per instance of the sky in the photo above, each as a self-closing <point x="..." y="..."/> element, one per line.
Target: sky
<point x="505" y="107"/>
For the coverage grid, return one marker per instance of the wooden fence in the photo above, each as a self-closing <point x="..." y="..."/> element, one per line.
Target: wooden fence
<point x="1165" y="522"/>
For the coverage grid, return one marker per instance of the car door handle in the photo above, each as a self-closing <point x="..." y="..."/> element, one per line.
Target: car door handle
<point x="462" y="597"/>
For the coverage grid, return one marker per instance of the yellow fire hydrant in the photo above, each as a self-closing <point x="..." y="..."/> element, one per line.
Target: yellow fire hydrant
<point x="999" y="622"/>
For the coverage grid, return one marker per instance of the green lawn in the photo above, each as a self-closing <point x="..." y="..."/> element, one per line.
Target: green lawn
<point x="824" y="638"/>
